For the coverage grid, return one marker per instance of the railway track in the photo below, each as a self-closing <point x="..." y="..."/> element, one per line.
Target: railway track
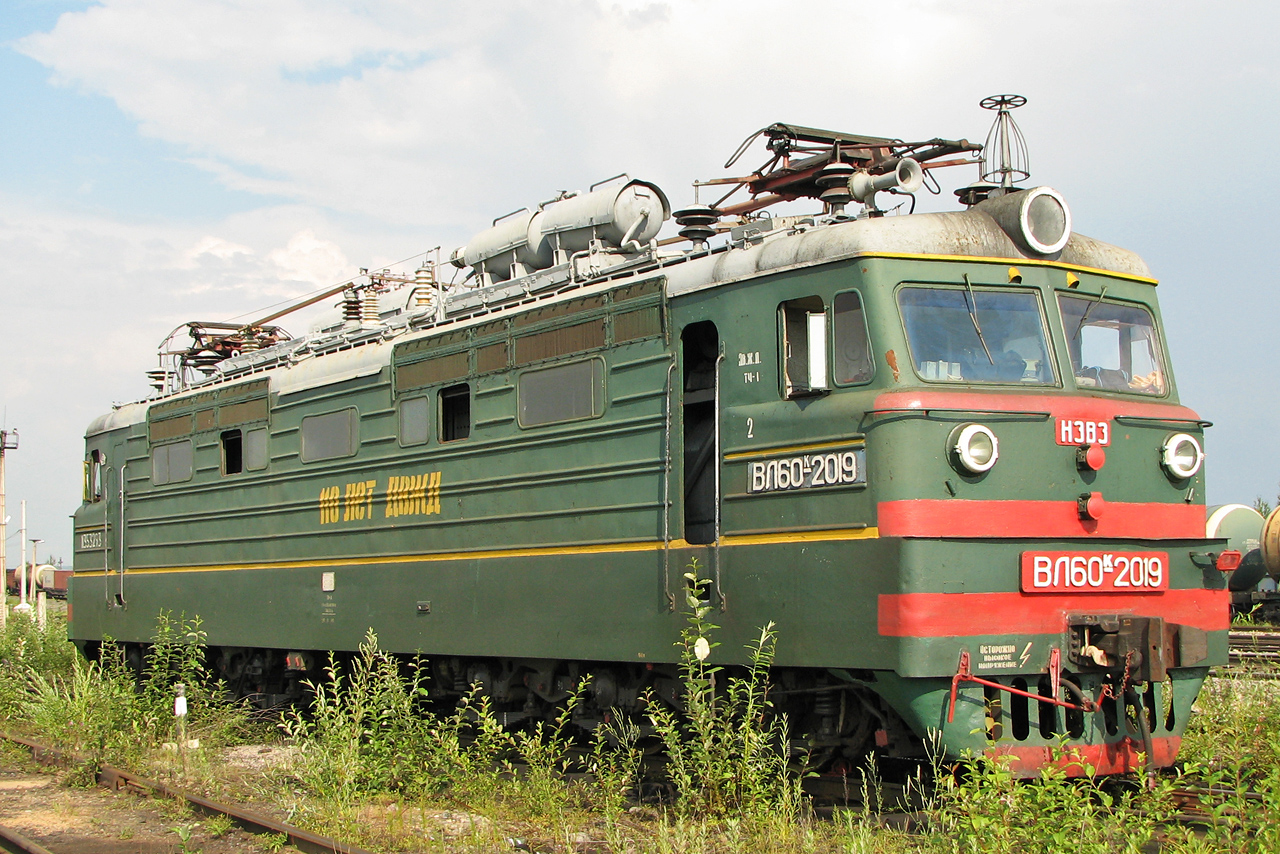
<point x="117" y="779"/>
<point x="1259" y="648"/>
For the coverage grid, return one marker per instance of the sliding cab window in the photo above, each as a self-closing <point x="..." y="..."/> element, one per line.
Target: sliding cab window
<point x="561" y="393"/>
<point x="330" y="436"/>
<point x="455" y="412"/>
<point x="802" y="324"/>
<point x="93" y="476"/>
<point x="851" y="346"/>
<point x="1113" y="346"/>
<point x="172" y="463"/>
<point x="966" y="335"/>
<point x="415" y="421"/>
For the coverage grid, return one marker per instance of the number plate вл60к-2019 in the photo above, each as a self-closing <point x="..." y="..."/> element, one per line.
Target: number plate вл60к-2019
<point x="1095" y="572"/>
<point x="807" y="471"/>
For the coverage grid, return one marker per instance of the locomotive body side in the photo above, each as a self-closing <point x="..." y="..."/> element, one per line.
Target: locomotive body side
<point x="518" y="494"/>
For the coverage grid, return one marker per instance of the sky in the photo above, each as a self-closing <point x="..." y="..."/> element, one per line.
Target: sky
<point x="169" y="160"/>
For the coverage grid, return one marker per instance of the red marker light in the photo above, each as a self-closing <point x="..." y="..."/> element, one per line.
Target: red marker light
<point x="1228" y="560"/>
<point x="1091" y="505"/>
<point x="1090" y="457"/>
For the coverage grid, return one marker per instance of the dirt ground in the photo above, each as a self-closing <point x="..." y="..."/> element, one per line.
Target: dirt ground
<point x="66" y="819"/>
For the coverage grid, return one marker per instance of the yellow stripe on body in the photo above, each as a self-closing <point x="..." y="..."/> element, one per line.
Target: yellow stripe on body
<point x="728" y="541"/>
<point x="793" y="449"/>
<point x="1026" y="262"/>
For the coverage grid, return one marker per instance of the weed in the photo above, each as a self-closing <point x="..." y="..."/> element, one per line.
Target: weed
<point x="219" y="825"/>
<point x="90" y="711"/>
<point x="363" y="729"/>
<point x="1234" y="730"/>
<point x="185" y="836"/>
<point x="615" y="763"/>
<point x="274" y="842"/>
<point x="728" y="755"/>
<point x="544" y="748"/>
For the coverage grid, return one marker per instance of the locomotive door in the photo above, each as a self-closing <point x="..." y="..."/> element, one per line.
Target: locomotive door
<point x="700" y="417"/>
<point x="113" y="534"/>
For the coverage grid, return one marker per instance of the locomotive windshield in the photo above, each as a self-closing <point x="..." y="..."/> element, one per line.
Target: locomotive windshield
<point x="1113" y="346"/>
<point x="974" y="335"/>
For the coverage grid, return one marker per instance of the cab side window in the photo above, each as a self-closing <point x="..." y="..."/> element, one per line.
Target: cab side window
<point x="93" y="476"/>
<point x="802" y="325"/>
<point x="852" y="363"/>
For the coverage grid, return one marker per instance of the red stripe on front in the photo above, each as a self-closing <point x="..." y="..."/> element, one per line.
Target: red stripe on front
<point x="1120" y="757"/>
<point x="1057" y="405"/>
<point x="953" y="517"/>
<point x="940" y="615"/>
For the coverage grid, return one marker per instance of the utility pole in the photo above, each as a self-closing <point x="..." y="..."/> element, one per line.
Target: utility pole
<point x="8" y="442"/>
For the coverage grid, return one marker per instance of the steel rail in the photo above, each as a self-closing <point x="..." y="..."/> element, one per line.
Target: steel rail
<point x="15" y="843"/>
<point x="117" y="779"/>
<point x="1258" y="648"/>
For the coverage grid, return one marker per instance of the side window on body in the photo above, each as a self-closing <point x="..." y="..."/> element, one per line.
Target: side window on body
<point x="455" y="412"/>
<point x="255" y="449"/>
<point x="329" y="436"/>
<point x="415" y="420"/>
<point x="232" y="442"/>
<point x="172" y="463"/>
<point x="853" y="362"/>
<point x="802" y="325"/>
<point x="561" y="393"/>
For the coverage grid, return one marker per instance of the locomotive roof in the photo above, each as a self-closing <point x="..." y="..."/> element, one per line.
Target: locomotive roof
<point x="323" y="358"/>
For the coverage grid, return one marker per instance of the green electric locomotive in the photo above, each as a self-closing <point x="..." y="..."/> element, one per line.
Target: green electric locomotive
<point x="942" y="452"/>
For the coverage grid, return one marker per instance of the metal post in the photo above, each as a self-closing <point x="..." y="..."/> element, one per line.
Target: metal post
<point x="22" y="606"/>
<point x="33" y="578"/>
<point x="180" y="713"/>
<point x="8" y="442"/>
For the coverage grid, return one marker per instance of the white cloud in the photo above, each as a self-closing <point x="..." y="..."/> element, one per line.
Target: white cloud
<point x="309" y="259"/>
<point x="216" y="247"/>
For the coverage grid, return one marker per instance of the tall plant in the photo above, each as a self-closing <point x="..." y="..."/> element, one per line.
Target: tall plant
<point x="728" y="753"/>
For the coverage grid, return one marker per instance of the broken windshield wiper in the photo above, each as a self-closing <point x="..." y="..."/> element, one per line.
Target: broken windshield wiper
<point x="1087" y="310"/>
<point x="972" y="305"/>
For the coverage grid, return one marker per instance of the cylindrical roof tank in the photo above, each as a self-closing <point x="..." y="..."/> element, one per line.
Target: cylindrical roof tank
<point x="634" y="211"/>
<point x="495" y="249"/>
<point x="1241" y="527"/>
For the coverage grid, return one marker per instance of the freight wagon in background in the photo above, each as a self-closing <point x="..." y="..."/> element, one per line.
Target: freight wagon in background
<point x="943" y="452"/>
<point x="51" y="579"/>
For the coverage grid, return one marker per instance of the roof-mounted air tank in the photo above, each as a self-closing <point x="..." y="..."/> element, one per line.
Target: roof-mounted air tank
<point x="621" y="217"/>
<point x="503" y="250"/>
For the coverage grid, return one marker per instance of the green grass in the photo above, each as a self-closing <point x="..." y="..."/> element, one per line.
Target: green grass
<point x="379" y="767"/>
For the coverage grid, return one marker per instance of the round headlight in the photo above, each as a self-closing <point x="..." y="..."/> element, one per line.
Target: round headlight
<point x="976" y="447"/>
<point x="1182" y="455"/>
<point x="1045" y="220"/>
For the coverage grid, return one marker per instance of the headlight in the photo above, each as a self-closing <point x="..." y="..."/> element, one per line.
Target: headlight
<point x="975" y="447"/>
<point x="1045" y="220"/>
<point x="1182" y="455"/>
